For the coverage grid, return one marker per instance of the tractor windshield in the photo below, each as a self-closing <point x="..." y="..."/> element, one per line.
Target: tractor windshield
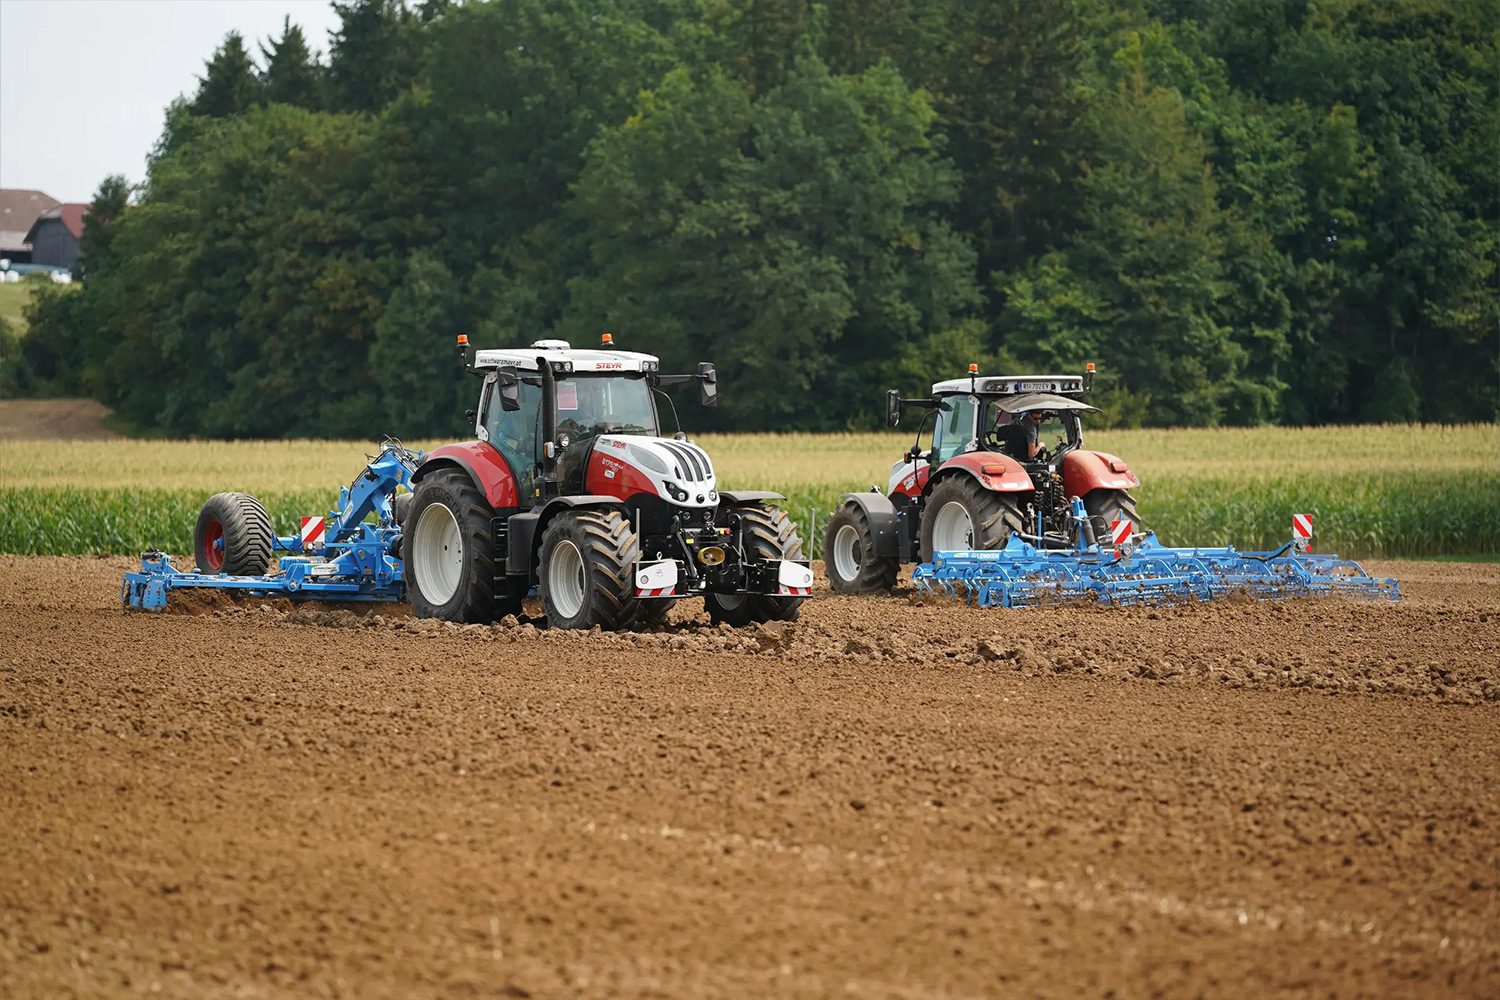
<point x="589" y="405"/>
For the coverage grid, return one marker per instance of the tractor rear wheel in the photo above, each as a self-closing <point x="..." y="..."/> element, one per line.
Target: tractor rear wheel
<point x="400" y="508"/>
<point x="448" y="551"/>
<point x="765" y="533"/>
<point x="587" y="570"/>
<point x="233" y="535"/>
<point x="960" y="514"/>
<point x="1106" y="506"/>
<point x="848" y="559"/>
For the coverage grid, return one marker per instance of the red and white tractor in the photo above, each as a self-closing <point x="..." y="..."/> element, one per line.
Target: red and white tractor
<point x="980" y="472"/>
<point x="571" y="491"/>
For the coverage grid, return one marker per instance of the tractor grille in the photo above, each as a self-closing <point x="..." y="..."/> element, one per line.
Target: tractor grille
<point x="693" y="465"/>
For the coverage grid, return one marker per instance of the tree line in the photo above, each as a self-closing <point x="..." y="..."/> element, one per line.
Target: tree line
<point x="1246" y="211"/>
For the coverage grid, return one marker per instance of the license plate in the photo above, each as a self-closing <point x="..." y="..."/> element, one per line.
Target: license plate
<point x="1033" y="386"/>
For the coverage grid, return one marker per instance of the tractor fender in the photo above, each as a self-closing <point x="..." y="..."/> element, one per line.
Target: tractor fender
<point x="739" y="498"/>
<point x="485" y="465"/>
<point x="1086" y="471"/>
<point x="881" y="514"/>
<point x="992" y="470"/>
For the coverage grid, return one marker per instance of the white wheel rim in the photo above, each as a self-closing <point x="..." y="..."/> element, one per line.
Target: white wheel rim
<point x="565" y="579"/>
<point x="952" y="530"/>
<point x="439" y="550"/>
<point x="846" y="552"/>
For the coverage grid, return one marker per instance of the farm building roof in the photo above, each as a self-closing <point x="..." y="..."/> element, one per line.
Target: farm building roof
<point x="19" y="208"/>
<point x="70" y="213"/>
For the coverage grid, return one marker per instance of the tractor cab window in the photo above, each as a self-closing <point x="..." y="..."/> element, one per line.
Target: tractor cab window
<point x="1010" y="433"/>
<point x="517" y="434"/>
<point x="590" y="405"/>
<point x="953" y="431"/>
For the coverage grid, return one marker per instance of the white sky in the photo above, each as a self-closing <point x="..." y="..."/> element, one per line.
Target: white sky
<point x="84" y="83"/>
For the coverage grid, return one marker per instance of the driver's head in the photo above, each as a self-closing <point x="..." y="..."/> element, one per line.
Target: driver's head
<point x="1035" y="416"/>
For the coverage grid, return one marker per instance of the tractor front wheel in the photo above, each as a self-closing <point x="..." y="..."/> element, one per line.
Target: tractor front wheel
<point x="765" y="533"/>
<point x="233" y="535"/>
<point x="448" y="552"/>
<point x="960" y="514"/>
<point x="587" y="570"/>
<point x="848" y="554"/>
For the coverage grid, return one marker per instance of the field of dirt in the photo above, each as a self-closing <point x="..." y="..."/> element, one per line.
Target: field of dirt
<point x="54" y="420"/>
<point x="886" y="799"/>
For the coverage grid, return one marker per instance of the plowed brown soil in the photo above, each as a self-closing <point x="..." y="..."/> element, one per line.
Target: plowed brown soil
<point x="885" y="799"/>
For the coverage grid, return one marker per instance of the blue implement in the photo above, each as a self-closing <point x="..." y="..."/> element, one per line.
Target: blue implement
<point x="355" y="559"/>
<point x="1023" y="575"/>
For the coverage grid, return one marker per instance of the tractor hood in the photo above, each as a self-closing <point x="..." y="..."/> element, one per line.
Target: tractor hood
<point x="679" y="472"/>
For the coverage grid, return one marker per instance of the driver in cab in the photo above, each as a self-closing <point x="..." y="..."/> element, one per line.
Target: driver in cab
<point x="1020" y="434"/>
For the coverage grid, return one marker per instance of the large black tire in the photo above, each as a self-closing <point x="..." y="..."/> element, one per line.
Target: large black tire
<point x="765" y="533"/>
<point x="847" y="547"/>
<point x="992" y="517"/>
<point x="1105" y="506"/>
<point x="586" y="570"/>
<point x="448" y="552"/>
<point x="243" y="526"/>
<point x="401" y="507"/>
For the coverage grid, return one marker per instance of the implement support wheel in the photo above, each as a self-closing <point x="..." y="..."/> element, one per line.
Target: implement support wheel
<point x="233" y="535"/>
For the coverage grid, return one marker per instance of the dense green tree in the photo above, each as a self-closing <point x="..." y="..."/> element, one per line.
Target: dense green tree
<point x="417" y="377"/>
<point x="377" y="50"/>
<point x="229" y="84"/>
<point x="792" y="236"/>
<point x="1138" y="288"/>
<point x="105" y="212"/>
<point x="292" y="74"/>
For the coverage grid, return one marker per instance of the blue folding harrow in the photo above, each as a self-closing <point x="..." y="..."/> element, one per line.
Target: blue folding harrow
<point x="356" y="560"/>
<point x="1023" y="575"/>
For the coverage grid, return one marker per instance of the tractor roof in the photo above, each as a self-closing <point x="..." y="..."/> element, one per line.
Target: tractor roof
<point x="560" y="354"/>
<point x="1041" y="401"/>
<point x="994" y="385"/>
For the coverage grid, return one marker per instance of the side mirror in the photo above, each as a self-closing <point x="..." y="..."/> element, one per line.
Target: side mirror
<point x="708" y="384"/>
<point x="893" y="407"/>
<point x="510" y="391"/>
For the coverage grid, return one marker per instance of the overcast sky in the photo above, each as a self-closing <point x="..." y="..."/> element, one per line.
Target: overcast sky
<point x="84" y="83"/>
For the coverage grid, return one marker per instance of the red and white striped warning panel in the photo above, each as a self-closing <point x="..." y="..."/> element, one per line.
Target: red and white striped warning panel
<point x="1302" y="526"/>
<point x="313" y="529"/>
<point x="794" y="579"/>
<point x="1119" y="531"/>
<point x="655" y="579"/>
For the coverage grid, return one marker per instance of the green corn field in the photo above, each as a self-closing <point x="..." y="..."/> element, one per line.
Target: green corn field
<point x="1395" y="491"/>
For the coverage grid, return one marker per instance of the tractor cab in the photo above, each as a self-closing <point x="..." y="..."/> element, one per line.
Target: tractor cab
<point x="1033" y="420"/>
<point x="551" y="409"/>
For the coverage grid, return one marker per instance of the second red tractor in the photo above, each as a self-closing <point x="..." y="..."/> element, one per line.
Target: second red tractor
<point x="995" y="456"/>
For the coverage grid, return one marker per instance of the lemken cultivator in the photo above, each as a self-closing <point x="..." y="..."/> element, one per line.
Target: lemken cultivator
<point x="992" y="516"/>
